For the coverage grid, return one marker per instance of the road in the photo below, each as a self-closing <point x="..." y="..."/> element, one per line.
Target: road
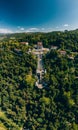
<point x="40" y="68"/>
<point x="39" y="71"/>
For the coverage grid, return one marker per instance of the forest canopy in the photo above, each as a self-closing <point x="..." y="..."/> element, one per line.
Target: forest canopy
<point x="22" y="104"/>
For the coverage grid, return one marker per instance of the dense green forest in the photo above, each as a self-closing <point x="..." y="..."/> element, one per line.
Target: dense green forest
<point x="17" y="69"/>
<point x="66" y="39"/>
<point x="22" y="104"/>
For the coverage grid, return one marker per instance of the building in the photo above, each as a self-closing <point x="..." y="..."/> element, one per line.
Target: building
<point x="71" y="57"/>
<point x="54" y="47"/>
<point x="35" y="46"/>
<point x="25" y="43"/>
<point x="45" y="50"/>
<point x="63" y="52"/>
<point x="39" y="45"/>
<point x="18" y="51"/>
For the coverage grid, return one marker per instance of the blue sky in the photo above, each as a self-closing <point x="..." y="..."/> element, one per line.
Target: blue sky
<point x="38" y="15"/>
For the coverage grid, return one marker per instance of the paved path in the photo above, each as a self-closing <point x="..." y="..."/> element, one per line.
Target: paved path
<point x="40" y="69"/>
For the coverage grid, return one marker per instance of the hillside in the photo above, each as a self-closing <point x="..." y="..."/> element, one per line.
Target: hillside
<point x="22" y="104"/>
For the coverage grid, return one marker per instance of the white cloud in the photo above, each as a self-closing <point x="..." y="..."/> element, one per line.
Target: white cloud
<point x="57" y="27"/>
<point x="2" y="30"/>
<point x="22" y="29"/>
<point x="66" y="25"/>
<point x="17" y="31"/>
<point x="42" y="29"/>
<point x="32" y="29"/>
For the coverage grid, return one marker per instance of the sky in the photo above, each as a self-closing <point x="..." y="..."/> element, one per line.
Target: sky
<point x="38" y="15"/>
